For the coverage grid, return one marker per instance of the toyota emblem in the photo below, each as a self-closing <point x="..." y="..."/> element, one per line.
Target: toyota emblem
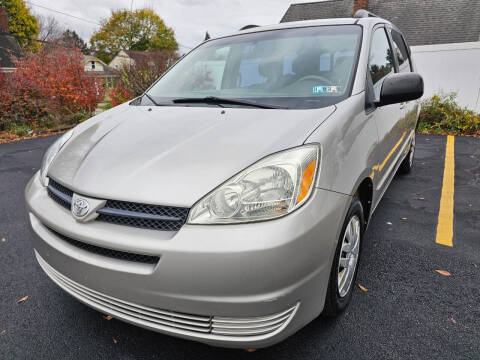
<point x="80" y="207"/>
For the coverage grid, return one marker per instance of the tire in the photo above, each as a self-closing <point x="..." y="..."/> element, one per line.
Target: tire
<point x="339" y="293"/>
<point x="407" y="163"/>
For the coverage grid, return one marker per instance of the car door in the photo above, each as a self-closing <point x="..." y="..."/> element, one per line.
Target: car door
<point x="391" y="134"/>
<point x="404" y="62"/>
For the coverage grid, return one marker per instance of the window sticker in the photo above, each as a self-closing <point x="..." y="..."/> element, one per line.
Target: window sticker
<point x="322" y="89"/>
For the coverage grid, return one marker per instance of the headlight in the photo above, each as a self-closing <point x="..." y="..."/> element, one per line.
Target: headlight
<point x="270" y="188"/>
<point x="51" y="153"/>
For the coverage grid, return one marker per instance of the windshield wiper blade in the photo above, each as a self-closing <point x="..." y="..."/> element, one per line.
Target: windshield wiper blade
<point x="217" y="100"/>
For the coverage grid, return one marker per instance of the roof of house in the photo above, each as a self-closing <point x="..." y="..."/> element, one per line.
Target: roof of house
<point x="87" y="58"/>
<point x="107" y="70"/>
<point x="9" y="48"/>
<point x="423" y="22"/>
<point x="319" y="10"/>
<point x="137" y="55"/>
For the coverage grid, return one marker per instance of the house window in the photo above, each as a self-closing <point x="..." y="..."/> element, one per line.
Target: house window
<point x="93" y="65"/>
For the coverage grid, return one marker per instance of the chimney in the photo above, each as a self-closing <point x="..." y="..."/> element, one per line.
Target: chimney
<point x="359" y="4"/>
<point x="4" y="20"/>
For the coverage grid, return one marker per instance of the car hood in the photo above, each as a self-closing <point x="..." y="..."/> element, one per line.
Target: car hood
<point x="174" y="155"/>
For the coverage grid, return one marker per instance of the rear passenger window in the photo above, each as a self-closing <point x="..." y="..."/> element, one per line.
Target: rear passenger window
<point x="380" y="62"/>
<point x="401" y="51"/>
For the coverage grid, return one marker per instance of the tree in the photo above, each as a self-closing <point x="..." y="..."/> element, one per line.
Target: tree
<point x="139" y="29"/>
<point x="23" y="25"/>
<point x="49" y="28"/>
<point x="71" y="39"/>
<point x="138" y="78"/>
<point x="207" y="36"/>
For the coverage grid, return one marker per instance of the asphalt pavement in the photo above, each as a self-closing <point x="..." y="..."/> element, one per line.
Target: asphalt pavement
<point x="410" y="311"/>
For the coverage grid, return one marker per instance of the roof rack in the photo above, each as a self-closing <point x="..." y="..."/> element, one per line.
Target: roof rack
<point x="362" y="13"/>
<point x="246" y="27"/>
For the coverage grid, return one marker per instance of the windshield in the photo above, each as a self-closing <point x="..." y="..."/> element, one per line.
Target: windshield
<point x="294" y="68"/>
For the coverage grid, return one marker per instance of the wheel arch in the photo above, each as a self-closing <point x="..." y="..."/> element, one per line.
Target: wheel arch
<point x="364" y="191"/>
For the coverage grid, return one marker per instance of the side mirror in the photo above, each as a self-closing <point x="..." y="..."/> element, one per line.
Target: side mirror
<point x="401" y="87"/>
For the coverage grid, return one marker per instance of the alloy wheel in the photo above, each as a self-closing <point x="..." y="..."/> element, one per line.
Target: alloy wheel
<point x="347" y="262"/>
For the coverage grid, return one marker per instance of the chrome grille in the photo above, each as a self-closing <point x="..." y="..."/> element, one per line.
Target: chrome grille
<point x="115" y="254"/>
<point x="198" y="326"/>
<point x="145" y="216"/>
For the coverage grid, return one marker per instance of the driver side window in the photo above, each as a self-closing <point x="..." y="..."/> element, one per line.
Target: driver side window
<point x="381" y="61"/>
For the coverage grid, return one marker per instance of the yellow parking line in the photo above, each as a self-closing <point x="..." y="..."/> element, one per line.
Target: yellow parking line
<point x="445" y="215"/>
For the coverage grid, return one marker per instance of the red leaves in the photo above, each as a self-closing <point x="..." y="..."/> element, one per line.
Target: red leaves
<point x="49" y="82"/>
<point x="119" y="95"/>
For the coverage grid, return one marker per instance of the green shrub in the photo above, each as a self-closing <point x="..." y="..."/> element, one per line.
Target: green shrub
<point x="107" y="106"/>
<point x="21" y="129"/>
<point x="78" y="117"/>
<point x="47" y="122"/>
<point x="442" y="115"/>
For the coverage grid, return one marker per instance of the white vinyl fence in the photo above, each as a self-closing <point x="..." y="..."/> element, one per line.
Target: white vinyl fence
<point x="451" y="67"/>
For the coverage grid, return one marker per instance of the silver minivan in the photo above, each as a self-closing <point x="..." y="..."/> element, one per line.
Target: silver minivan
<point x="228" y="203"/>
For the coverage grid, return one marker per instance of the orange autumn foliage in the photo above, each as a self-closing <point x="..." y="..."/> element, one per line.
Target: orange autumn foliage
<point x="50" y="82"/>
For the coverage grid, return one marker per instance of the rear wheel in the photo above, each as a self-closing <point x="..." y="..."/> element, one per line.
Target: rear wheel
<point x="407" y="163"/>
<point x="345" y="262"/>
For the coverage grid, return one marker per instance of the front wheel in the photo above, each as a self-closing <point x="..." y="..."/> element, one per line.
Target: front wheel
<point x="345" y="262"/>
<point x="407" y="163"/>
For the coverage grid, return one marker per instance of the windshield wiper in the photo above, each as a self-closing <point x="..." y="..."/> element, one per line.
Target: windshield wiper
<point x="217" y="100"/>
<point x="153" y="101"/>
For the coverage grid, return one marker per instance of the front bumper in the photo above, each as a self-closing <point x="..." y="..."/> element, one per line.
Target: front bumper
<point x="245" y="286"/>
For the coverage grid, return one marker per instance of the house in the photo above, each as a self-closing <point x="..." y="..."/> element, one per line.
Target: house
<point x="423" y="22"/>
<point x="128" y="58"/>
<point x="9" y="48"/>
<point x="93" y="66"/>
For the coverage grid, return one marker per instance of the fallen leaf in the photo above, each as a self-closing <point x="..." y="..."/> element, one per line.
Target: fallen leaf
<point x="3" y="239"/>
<point x="250" y="350"/>
<point x="404" y="218"/>
<point x="452" y="320"/>
<point x="115" y="341"/>
<point x="22" y="299"/>
<point x="107" y="317"/>
<point x="3" y="332"/>
<point x="420" y="198"/>
<point x="443" y="272"/>
<point x="363" y="288"/>
<point x="389" y="223"/>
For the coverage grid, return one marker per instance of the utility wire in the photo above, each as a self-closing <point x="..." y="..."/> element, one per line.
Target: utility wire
<point x="63" y="13"/>
<point x="83" y="19"/>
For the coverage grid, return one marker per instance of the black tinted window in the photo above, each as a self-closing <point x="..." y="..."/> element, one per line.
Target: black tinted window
<point x="380" y="60"/>
<point x="401" y="52"/>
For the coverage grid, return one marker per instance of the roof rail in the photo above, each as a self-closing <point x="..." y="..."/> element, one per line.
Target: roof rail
<point x="362" y="13"/>
<point x="246" y="27"/>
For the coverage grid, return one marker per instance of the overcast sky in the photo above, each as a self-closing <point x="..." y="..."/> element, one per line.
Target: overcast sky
<point x="189" y="18"/>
